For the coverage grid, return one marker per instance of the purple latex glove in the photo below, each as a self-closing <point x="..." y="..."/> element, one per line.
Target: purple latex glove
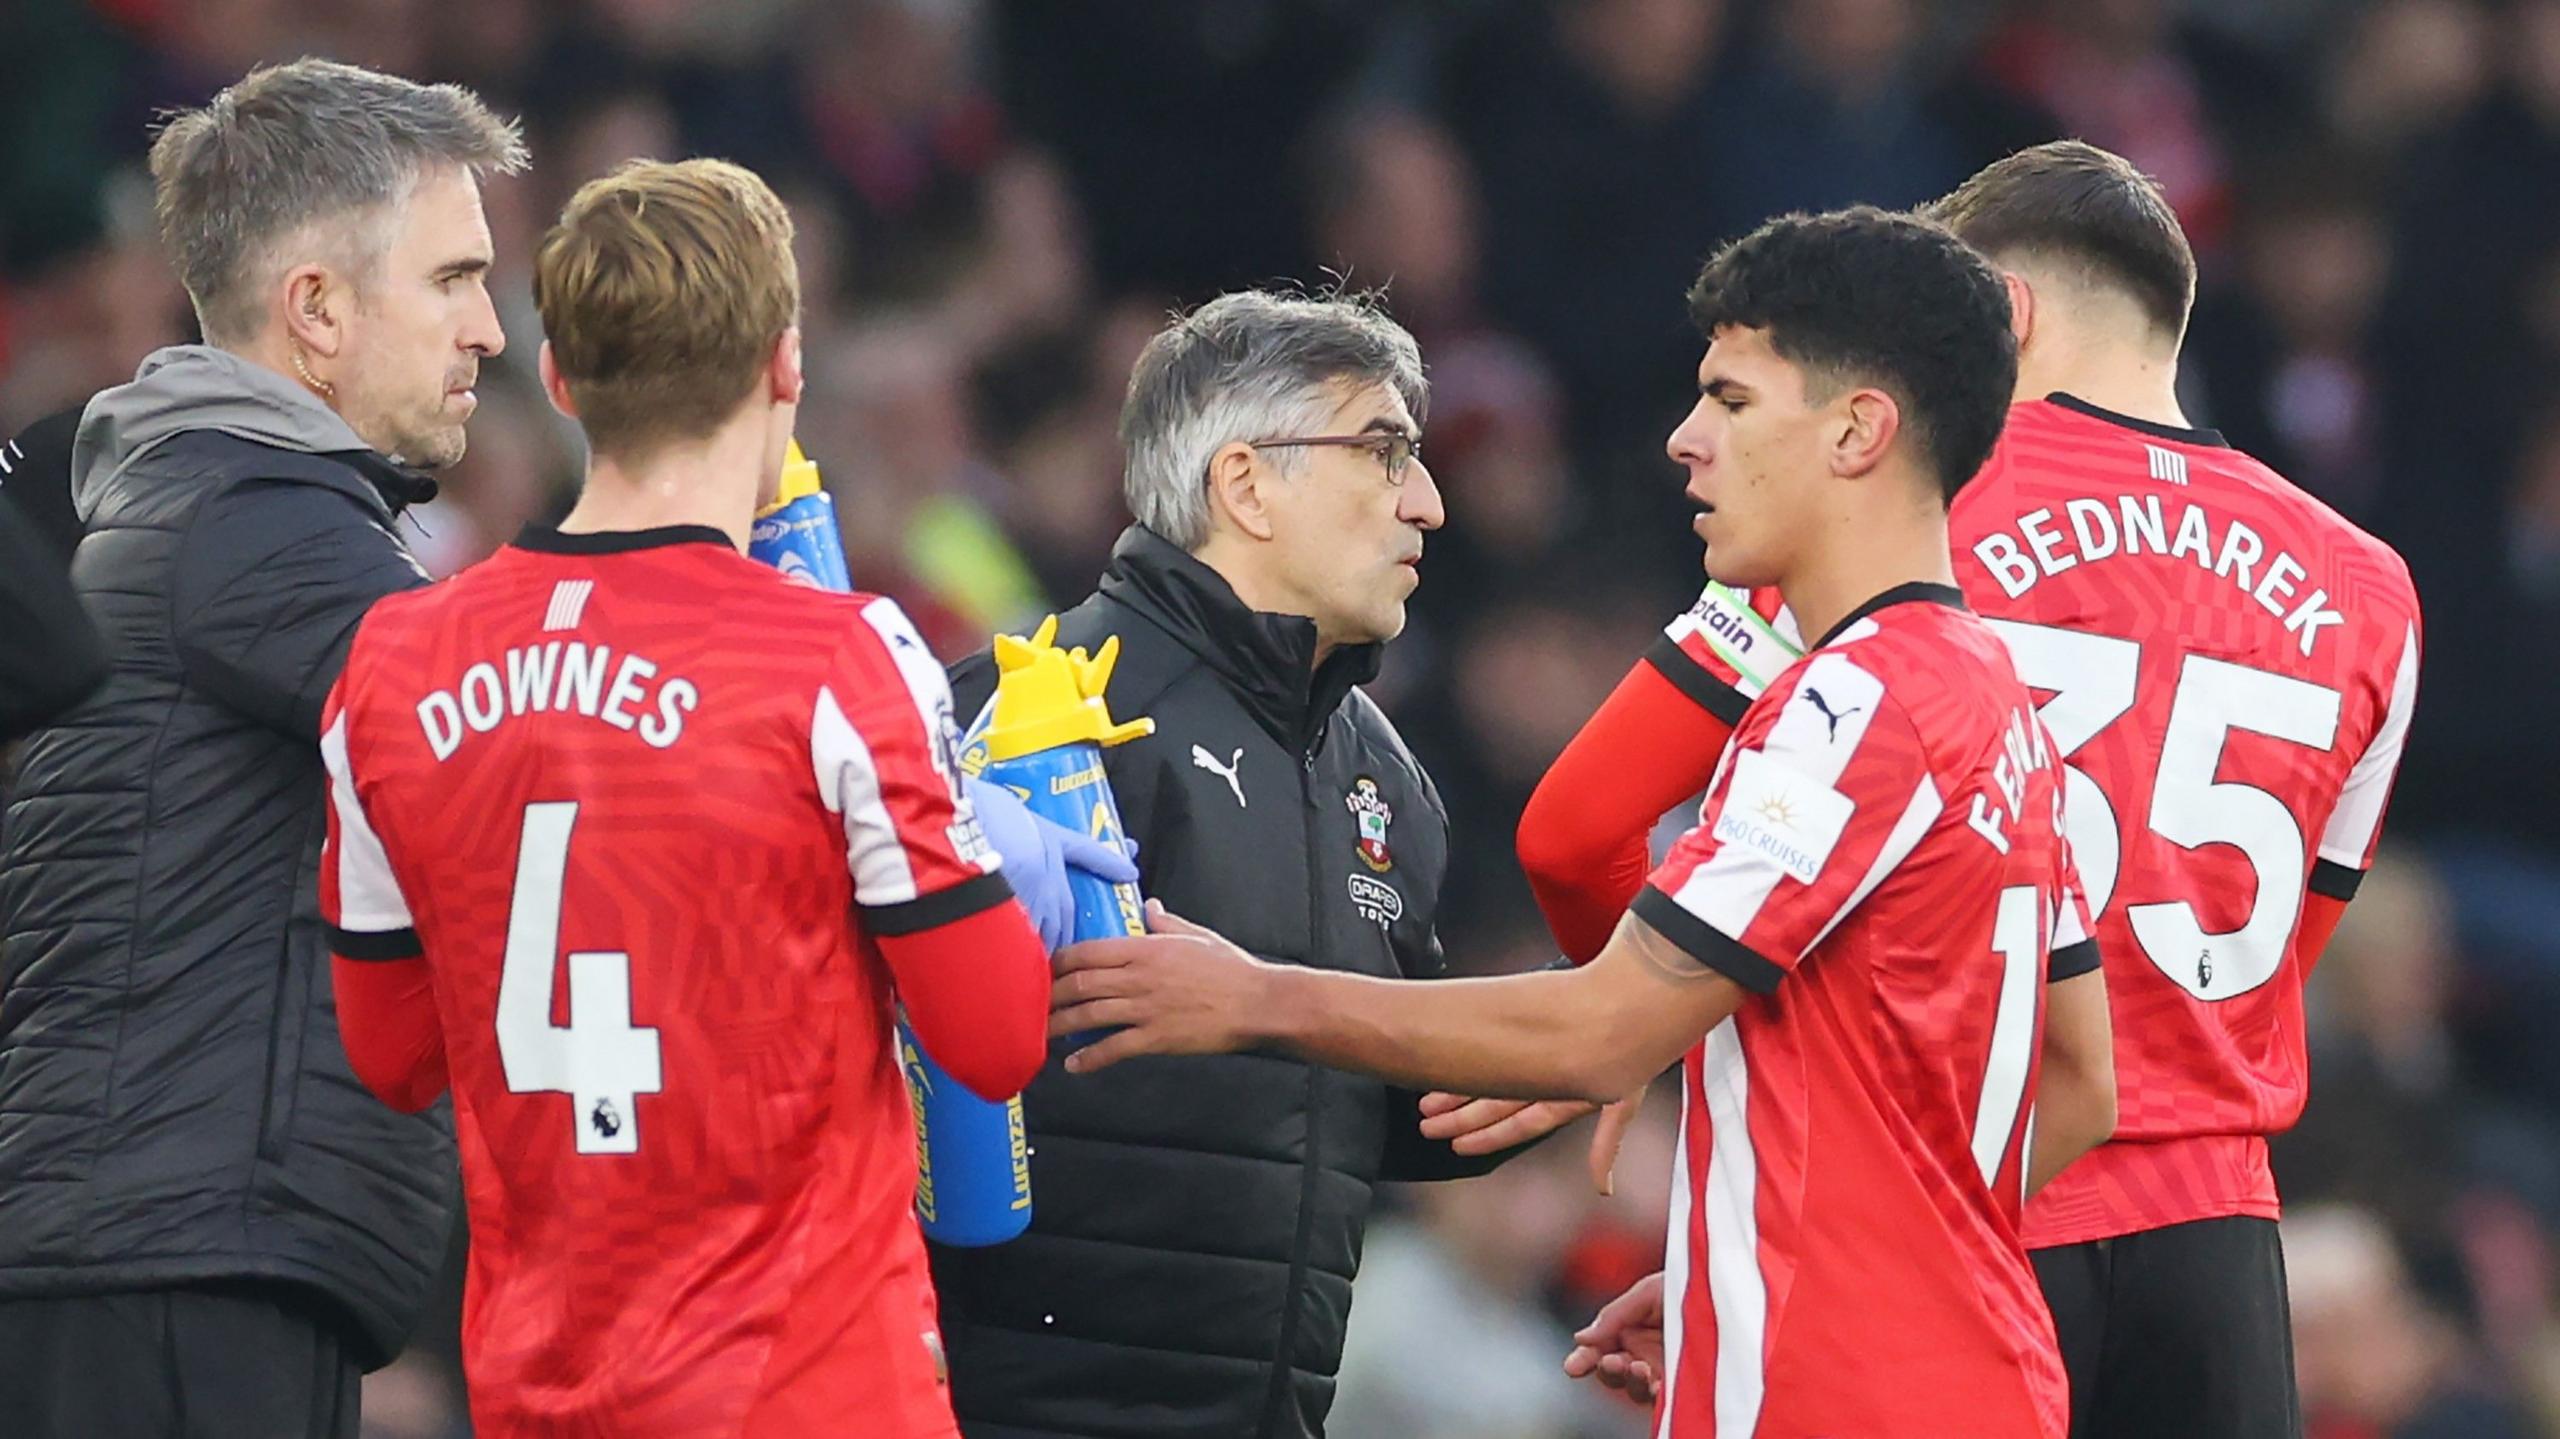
<point x="1037" y="853"/>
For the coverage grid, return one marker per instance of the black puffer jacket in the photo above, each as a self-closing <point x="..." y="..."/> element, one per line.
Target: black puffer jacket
<point x="174" y="1104"/>
<point x="1196" y="1222"/>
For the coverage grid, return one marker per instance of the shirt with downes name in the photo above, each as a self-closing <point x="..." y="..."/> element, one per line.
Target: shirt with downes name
<point x="647" y="809"/>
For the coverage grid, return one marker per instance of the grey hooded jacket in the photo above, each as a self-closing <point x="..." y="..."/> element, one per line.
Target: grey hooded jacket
<point x="174" y="1104"/>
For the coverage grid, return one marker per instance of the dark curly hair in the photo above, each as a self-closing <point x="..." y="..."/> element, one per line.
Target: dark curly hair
<point x="1863" y="296"/>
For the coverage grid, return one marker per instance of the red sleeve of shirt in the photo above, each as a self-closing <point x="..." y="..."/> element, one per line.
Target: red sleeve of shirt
<point x="1582" y="837"/>
<point x="976" y="990"/>
<point x="388" y="1023"/>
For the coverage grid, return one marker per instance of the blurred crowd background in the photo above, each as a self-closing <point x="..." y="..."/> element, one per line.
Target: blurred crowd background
<point x="999" y="202"/>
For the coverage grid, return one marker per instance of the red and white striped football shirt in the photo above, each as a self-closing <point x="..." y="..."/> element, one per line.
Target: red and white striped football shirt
<point x="1879" y="861"/>
<point x="2229" y="667"/>
<point x="686" y="1146"/>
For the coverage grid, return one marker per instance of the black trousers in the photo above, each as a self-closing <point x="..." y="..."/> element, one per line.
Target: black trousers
<point x="239" y="1361"/>
<point x="2176" y="1333"/>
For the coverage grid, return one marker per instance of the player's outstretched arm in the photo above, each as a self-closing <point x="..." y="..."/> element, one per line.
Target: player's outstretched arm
<point x="1593" y="1033"/>
<point x="1582" y="845"/>
<point x="2076" y="1079"/>
<point x="1582" y="837"/>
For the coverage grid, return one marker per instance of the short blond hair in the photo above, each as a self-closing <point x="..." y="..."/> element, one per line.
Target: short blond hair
<point x="663" y="290"/>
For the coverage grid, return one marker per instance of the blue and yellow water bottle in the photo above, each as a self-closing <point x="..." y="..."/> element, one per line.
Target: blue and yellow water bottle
<point x="1041" y="737"/>
<point x="968" y="1171"/>
<point x="1044" y="741"/>
<point x="797" y="533"/>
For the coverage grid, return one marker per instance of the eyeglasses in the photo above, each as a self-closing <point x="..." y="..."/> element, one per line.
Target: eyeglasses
<point x="1393" y="448"/>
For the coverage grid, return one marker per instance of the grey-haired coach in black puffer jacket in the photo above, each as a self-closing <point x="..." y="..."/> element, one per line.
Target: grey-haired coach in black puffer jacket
<point x="1196" y="1222"/>
<point x="207" y="1226"/>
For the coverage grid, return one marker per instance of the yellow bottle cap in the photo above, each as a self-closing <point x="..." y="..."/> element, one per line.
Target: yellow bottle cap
<point x="799" y="479"/>
<point x="1046" y="696"/>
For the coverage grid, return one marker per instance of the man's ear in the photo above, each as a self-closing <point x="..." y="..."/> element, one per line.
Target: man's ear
<point x="1862" y="433"/>
<point x="554" y="384"/>
<point x="2022" y="306"/>
<point x="1239" y="490"/>
<point x="314" y="306"/>
<point x="784" y="378"/>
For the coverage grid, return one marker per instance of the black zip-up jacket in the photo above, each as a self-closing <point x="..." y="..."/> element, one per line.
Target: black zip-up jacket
<point x="1196" y="1222"/>
<point x="174" y="1104"/>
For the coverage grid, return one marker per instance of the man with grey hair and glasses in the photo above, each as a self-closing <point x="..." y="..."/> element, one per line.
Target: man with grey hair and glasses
<point x="1196" y="1222"/>
<point x="206" y="1225"/>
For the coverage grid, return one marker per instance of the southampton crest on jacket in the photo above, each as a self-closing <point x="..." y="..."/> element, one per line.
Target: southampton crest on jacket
<point x="1371" y="809"/>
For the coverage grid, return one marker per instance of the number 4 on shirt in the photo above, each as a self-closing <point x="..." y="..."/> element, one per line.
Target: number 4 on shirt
<point x="600" y="1059"/>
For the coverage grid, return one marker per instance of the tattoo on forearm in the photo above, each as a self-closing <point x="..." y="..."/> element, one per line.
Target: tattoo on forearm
<point x="1662" y="956"/>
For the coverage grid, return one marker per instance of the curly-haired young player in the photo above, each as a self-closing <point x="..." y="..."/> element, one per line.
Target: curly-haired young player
<point x="2231" y="668"/>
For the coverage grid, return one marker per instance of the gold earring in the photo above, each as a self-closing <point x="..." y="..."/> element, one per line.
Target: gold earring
<point x="302" y="367"/>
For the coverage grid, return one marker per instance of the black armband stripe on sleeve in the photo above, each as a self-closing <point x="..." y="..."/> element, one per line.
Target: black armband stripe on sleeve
<point x="374" y="945"/>
<point x="968" y="897"/>
<point x="2336" y="881"/>
<point x="1705" y="943"/>
<point x="2071" y="961"/>
<point x="1711" y="694"/>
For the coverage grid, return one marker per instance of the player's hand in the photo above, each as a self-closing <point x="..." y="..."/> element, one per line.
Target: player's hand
<point x="1180" y="989"/>
<point x="1488" y="1126"/>
<point x="1037" y="853"/>
<point x="1622" y="1345"/>
<point x="1606" y="1136"/>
